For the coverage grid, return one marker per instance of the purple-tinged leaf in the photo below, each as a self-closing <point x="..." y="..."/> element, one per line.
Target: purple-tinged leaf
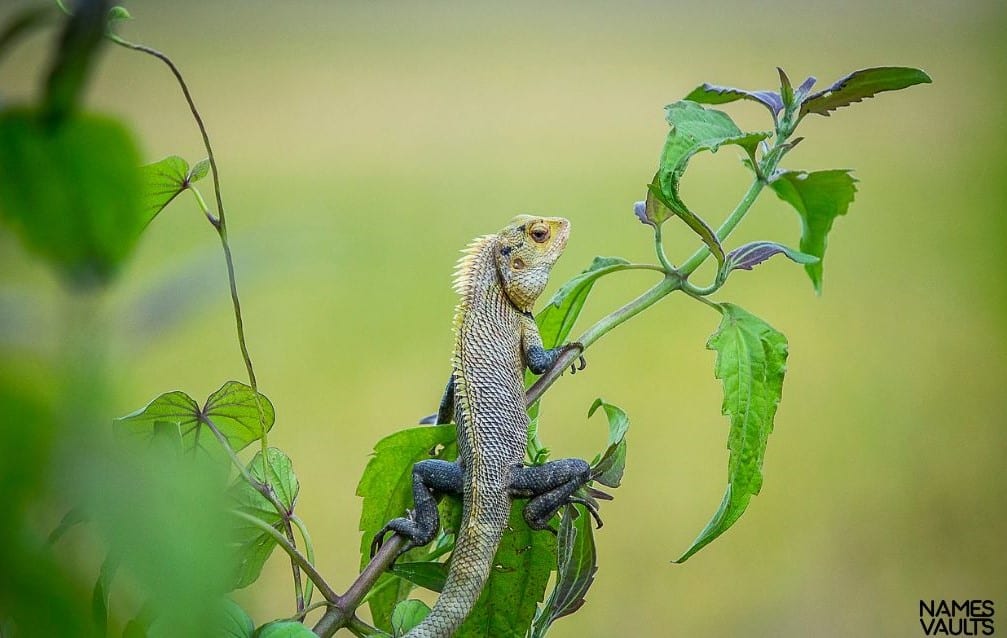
<point x="653" y="211"/>
<point x="805" y="88"/>
<point x="714" y="94"/>
<point x="752" y="254"/>
<point x="862" y="84"/>
<point x="577" y="565"/>
<point x="640" y="210"/>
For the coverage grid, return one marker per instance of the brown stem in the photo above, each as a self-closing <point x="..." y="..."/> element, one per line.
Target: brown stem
<point x="341" y="613"/>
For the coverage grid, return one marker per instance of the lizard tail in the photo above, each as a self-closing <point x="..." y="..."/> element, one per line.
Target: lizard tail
<point x="471" y="562"/>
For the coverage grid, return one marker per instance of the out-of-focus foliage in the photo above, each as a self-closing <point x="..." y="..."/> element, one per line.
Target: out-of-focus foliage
<point x="905" y="418"/>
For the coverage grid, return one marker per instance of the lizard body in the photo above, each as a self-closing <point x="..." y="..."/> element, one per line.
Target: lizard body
<point x="498" y="279"/>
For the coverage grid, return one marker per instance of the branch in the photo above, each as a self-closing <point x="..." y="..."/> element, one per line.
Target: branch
<point x="341" y="613"/>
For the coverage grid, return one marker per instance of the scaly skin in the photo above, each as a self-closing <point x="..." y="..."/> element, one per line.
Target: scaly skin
<point x="499" y="277"/>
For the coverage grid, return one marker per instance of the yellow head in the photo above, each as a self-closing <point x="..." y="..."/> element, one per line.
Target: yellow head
<point x="526" y="250"/>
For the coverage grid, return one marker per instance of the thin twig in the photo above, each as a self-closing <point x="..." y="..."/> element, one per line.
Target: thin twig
<point x="297" y="560"/>
<point x="296" y="556"/>
<point x="219" y="223"/>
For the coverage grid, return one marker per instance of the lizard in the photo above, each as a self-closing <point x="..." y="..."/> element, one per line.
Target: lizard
<point x="498" y="279"/>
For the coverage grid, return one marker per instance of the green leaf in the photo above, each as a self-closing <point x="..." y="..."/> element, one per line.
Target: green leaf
<point x="252" y="545"/>
<point x="577" y="563"/>
<point x="751" y="362"/>
<point x="428" y="574"/>
<point x="386" y="487"/>
<point x="557" y="318"/>
<point x="862" y="84"/>
<point x="819" y="197"/>
<point x="78" y="46"/>
<point x="284" y="629"/>
<point x="235" y="621"/>
<point x="232" y="409"/>
<point x="161" y="182"/>
<point x="695" y="129"/>
<point x="198" y="171"/>
<point x="517" y="582"/>
<point x="118" y="14"/>
<point x="99" y="596"/>
<point x="408" y="614"/>
<point x="609" y="469"/>
<point x="240" y="414"/>
<point x="654" y="211"/>
<point x="71" y="192"/>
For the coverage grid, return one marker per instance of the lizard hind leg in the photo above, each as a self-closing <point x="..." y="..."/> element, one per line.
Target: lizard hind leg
<point x="550" y="487"/>
<point x="431" y="478"/>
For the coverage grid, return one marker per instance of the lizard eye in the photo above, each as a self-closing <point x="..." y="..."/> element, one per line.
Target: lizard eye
<point x="540" y="233"/>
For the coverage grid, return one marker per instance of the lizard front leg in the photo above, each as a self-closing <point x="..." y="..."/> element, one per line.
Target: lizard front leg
<point x="430" y="478"/>
<point x="550" y="487"/>
<point x="536" y="357"/>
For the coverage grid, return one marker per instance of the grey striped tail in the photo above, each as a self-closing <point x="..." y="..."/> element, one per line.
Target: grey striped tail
<point x="470" y="567"/>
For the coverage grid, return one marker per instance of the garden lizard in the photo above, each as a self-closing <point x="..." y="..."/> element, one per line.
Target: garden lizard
<point x="498" y="279"/>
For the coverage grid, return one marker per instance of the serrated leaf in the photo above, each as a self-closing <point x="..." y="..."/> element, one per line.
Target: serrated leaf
<point x="284" y="629"/>
<point x="161" y="182"/>
<point x="818" y="197"/>
<point x="252" y="545"/>
<point x="232" y="409"/>
<point x="386" y="487"/>
<point x="198" y="171"/>
<point x="577" y="563"/>
<point x="517" y="582"/>
<point x="860" y="85"/>
<point x="557" y="318"/>
<point x="751" y="362"/>
<point x="427" y="574"/>
<point x="609" y="469"/>
<point x="71" y="192"/>
<point x="695" y="129"/>
<point x="708" y="93"/>
<point x="407" y="615"/>
<point x="752" y="254"/>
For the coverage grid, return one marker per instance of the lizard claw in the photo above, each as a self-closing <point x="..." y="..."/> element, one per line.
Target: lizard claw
<point x="592" y="509"/>
<point x="580" y="363"/>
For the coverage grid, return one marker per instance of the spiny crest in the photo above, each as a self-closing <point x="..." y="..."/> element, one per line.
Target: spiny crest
<point x="468" y="262"/>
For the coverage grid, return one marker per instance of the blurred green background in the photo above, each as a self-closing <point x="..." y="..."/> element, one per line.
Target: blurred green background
<point x="362" y="145"/>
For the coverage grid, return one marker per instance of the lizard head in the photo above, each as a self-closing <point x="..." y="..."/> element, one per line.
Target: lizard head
<point x="526" y="250"/>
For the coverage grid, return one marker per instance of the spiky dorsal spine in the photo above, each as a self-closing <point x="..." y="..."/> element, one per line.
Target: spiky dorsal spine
<point x="472" y="272"/>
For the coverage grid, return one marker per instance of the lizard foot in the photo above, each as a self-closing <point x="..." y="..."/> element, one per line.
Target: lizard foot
<point x="404" y="526"/>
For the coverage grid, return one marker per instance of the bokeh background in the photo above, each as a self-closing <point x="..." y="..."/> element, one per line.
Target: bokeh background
<point x="361" y="145"/>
